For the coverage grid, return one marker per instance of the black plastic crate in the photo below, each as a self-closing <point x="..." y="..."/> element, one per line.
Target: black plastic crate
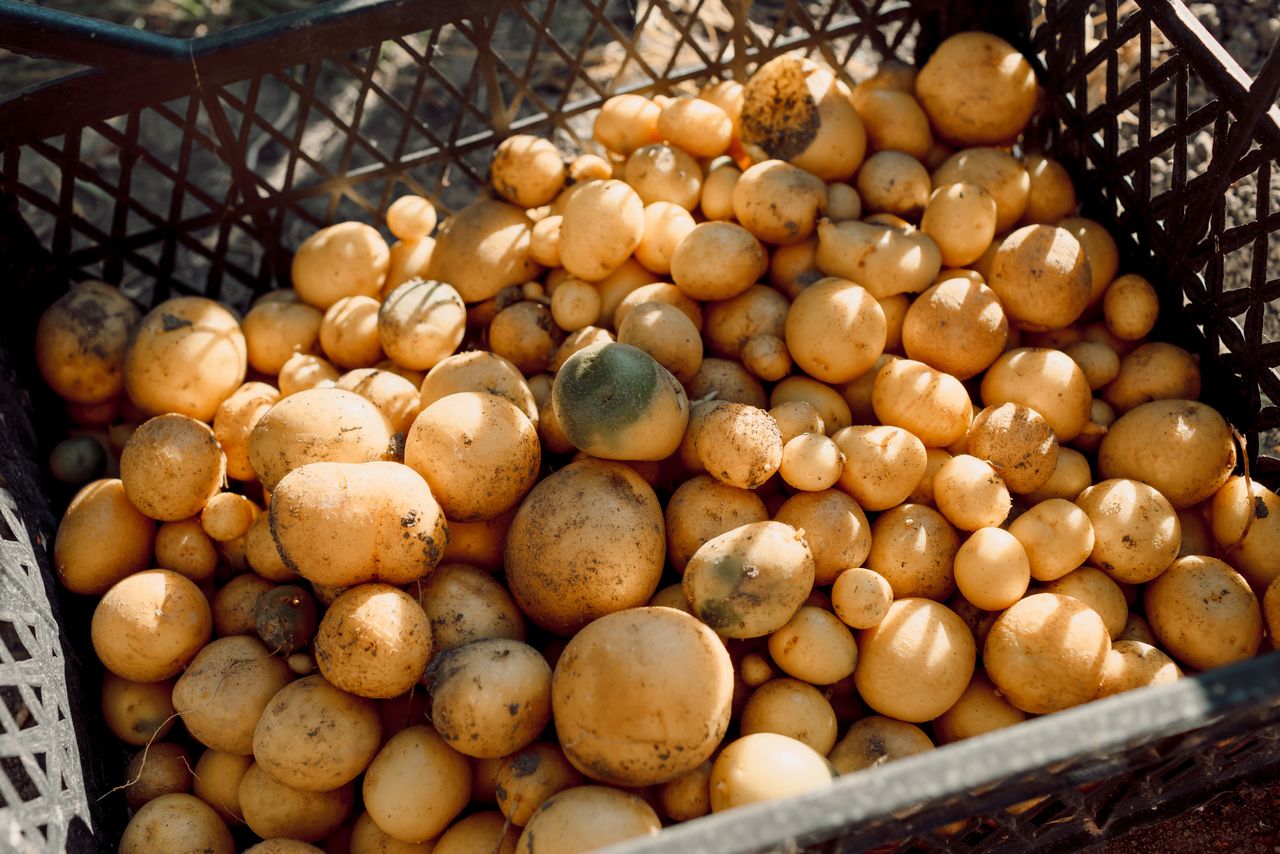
<point x="173" y="166"/>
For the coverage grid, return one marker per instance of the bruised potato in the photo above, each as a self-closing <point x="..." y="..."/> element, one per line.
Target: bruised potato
<point x="171" y="466"/>
<point x="491" y="697"/>
<point x="81" y="341"/>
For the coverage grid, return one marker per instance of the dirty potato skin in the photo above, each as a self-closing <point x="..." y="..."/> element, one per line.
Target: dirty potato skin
<point x="171" y="466"/>
<point x="702" y="508"/>
<point x="740" y="445"/>
<point x="374" y="641"/>
<point x="81" y="341"/>
<point x="491" y="697"/>
<point x="587" y="541"/>
<point x="587" y="818"/>
<point x="176" y="823"/>
<point x="526" y="778"/>
<point x="224" y="690"/>
<point x="1204" y="613"/>
<point x="465" y="603"/>
<point x="273" y="810"/>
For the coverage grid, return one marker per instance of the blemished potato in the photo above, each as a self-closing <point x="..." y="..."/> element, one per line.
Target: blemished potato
<point x="835" y="330"/>
<point x="778" y="202"/>
<point x="792" y="708"/>
<point x="665" y="225"/>
<point x="1041" y="274"/>
<point x="1182" y="448"/>
<point x="588" y="540"/>
<point x="1045" y="380"/>
<point x="587" y="818"/>
<point x="478" y="370"/>
<point x="1154" y="371"/>
<point x="894" y="121"/>
<point x="224" y="691"/>
<point x="996" y="171"/>
<point x="1018" y="443"/>
<point x="933" y="405"/>
<point x="187" y="355"/>
<point x="766" y="766"/>
<point x="667" y="334"/>
<point x="739" y="445"/>
<point x="525" y="334"/>
<point x="527" y="777"/>
<point x="396" y="397"/>
<point x="1058" y="537"/>
<point x="527" y="170"/>
<point x="149" y="625"/>
<point x="929" y="641"/>
<point x="1046" y="653"/>
<point x="102" y="539"/>
<point x="317" y="425"/>
<point x="464" y="604"/>
<point x="961" y="219"/>
<point x="882" y="465"/>
<point x="875" y="740"/>
<point x="749" y="582"/>
<point x="171" y="466"/>
<point x="894" y="182"/>
<point x="482" y="249"/>
<point x="796" y="110"/>
<point x="603" y="224"/>
<point x="285" y="618"/>
<point x="861" y="597"/>
<point x="235" y="604"/>
<point x="717" y="261"/>
<point x="411" y="217"/>
<point x="835" y="528"/>
<point x="977" y="90"/>
<point x="688" y="796"/>
<point x="970" y="494"/>
<point x="341" y="524"/>
<point x="626" y="122"/>
<point x="262" y="555"/>
<point x="186" y="549"/>
<point x="811" y="462"/>
<point x="1097" y="361"/>
<point x="914" y="548"/>
<point x="793" y="268"/>
<point x="794" y="417"/>
<point x="349" y="332"/>
<point x="696" y="125"/>
<point x="884" y="260"/>
<point x="1053" y="195"/>
<point x="491" y="697"/>
<point x="179" y="823"/>
<point x="314" y="737"/>
<point x="1130" y="307"/>
<point x="1133" y="664"/>
<point x="482" y="831"/>
<point x="304" y="371"/>
<point x="1204" y="613"/>
<point x="642" y="696"/>
<point x="421" y="323"/>
<point x="217" y="782"/>
<point x="716" y="202"/>
<point x="1245" y="525"/>
<point x="815" y="647"/>
<point x="81" y="341"/>
<point x="343" y="260"/>
<point x="702" y="508"/>
<point x="137" y="712"/>
<point x="374" y="641"/>
<point x="614" y="401"/>
<point x="831" y="405"/>
<point x="1097" y="590"/>
<point x="275" y="811"/>
<point x="161" y="769"/>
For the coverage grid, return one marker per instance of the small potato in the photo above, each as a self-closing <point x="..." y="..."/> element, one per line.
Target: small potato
<point x="835" y="529"/>
<point x="969" y="493"/>
<point x="626" y="122"/>
<point x="977" y="89"/>
<point x="374" y="641"/>
<point x="544" y="241"/>
<point x="1131" y="307"/>
<point x="861" y="597"/>
<point x="396" y="397"/>
<point x="421" y="323"/>
<point x="697" y="125"/>
<point x="660" y="292"/>
<point x="479" y="543"/>
<point x="1096" y="589"/>
<point x="894" y="182"/>
<point x="717" y="261"/>
<point x="1204" y="613"/>
<point x="927" y="640"/>
<point x="366" y="836"/>
<point x="478" y="370"/>
<point x="811" y="462"/>
<point x="491" y="697"/>
<point x="186" y="356"/>
<point x="1057" y="537"/>
<point x="102" y="539"/>
<point x="1070" y="476"/>
<point x="275" y="811"/>
<point x="1100" y="247"/>
<point x="793" y="268"/>
<point x="831" y="405"/>
<point x="81" y="341"/>
<point x="702" y="508"/>
<point x="262" y="555"/>
<point x="665" y="225"/>
<point x="875" y="740"/>
<point x="1046" y="653"/>
<point x="815" y="647"/>
<point x="914" y="548"/>
<point x="766" y="766"/>
<point x="882" y="465"/>
<point x="411" y="217"/>
<point x="1097" y="361"/>
<point x="792" y="708"/>
<point x="1154" y="371"/>
<point x="409" y="260"/>
<point x="285" y="618"/>
<point x="961" y="219"/>
<point x="171" y="466"/>
<point x="996" y="171"/>
<point x="716" y="202"/>
<point x="317" y="425"/>
<point x="740" y="445"/>
<point x="77" y="460"/>
<point x="137" y="712"/>
<point x="778" y="202"/>
<point x="750" y="581"/>
<point x="894" y="121"/>
<point x="933" y="405"/>
<point x="1018" y="442"/>
<point x="186" y="549"/>
<point x="835" y="330"/>
<point x="665" y="333"/>
<point x="343" y="260"/>
<point x="227" y="515"/>
<point x="689" y="796"/>
<point x="664" y="173"/>
<point x="1133" y="664"/>
<point x="466" y="604"/>
<point x="178" y="823"/>
<point x="842" y="203"/>
<point x="525" y="334"/>
<point x="885" y="260"/>
<point x="349" y="332"/>
<point x="217" y="782"/>
<point x="979" y="710"/>
<point x="235" y="604"/>
<point x="795" y="417"/>
<point x="482" y="831"/>
<point x="314" y="737"/>
<point x="1041" y="274"/>
<point x="924" y="492"/>
<point x="728" y="96"/>
<point x="587" y="818"/>
<point x="1053" y="195"/>
<point x="149" y="625"/>
<point x="482" y="249"/>
<point x="528" y="777"/>
<point x="303" y="371"/>
<point x="527" y="170"/>
<point x="224" y="691"/>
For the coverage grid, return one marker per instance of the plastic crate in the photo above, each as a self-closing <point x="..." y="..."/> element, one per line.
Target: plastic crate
<point x="174" y="166"/>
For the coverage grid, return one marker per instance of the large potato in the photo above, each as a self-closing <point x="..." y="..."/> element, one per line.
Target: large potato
<point x="778" y="202"/>
<point x="587" y="818"/>
<point x="224" y="690"/>
<point x="702" y="508"/>
<point x="314" y="737"/>
<point x="603" y="224"/>
<point x="1041" y="274"/>
<point x="482" y="249"/>
<point x="1136" y="532"/>
<point x="150" y="624"/>
<point x="171" y="466"/>
<point x="835" y="330"/>
<point x="977" y="90"/>
<point x="416" y="785"/>
<point x="179" y="824"/>
<point x="374" y="641"/>
<point x="927" y="640"/>
<point x="464" y="604"/>
<point x="1204" y="613"/>
<point x="81" y="341"/>
<point x="491" y="697"/>
<point x="478" y="370"/>
<point x="421" y="323"/>
<point x="102" y="538"/>
<point x="343" y="260"/>
<point x="318" y="425"/>
<point x="273" y="810"/>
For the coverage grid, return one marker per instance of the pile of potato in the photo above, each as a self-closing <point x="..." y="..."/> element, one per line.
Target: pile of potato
<point x="796" y="430"/>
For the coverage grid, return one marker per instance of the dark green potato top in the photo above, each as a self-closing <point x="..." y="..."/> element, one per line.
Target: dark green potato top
<point x="604" y="390"/>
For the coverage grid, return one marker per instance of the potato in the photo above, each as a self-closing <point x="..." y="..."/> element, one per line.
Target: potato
<point x="642" y="696"/>
<point x="349" y="332"/>
<point x="1204" y="613"/>
<point x="186" y="549"/>
<point x="490" y="698"/>
<point x="483" y="831"/>
<point x="665" y="333"/>
<point x="411" y="217"/>
<point x="835" y="529"/>
<point x="794" y="417"/>
<point x="171" y="466"/>
<point x="1041" y="274"/>
<point x="224" y="691"/>
<point x="766" y="766"/>
<point x="835" y="330"/>
<point x="894" y="120"/>
<point x="980" y="709"/>
<point x="343" y="260"/>
<point x="831" y="406"/>
<point x="1057" y="537"/>
<point x="603" y="224"/>
<point x="187" y="355"/>
<point x="884" y="260"/>
<point x="285" y="618"/>
<point x="374" y="641"/>
<point x="894" y="182"/>
<point x="659" y="292"/>
<point x="576" y="305"/>
<point x="793" y="268"/>
<point x="527" y="777"/>
<point x="996" y="171"/>
<point x="716" y="201"/>
<point x="478" y="370"/>
<point x="1101" y="249"/>
<point x="749" y="582"/>
<point x="689" y="796"/>
<point x="796" y="110"/>
<point x="137" y="712"/>
<point x="861" y="597"/>
<point x="1052" y="195"/>
<point x="1246" y="527"/>
<point x="160" y="769"/>
<point x="1155" y="371"/>
<point x="778" y="202"/>
<point x="409" y="260"/>
<point x="421" y="323"/>
<point x="544" y="241"/>
<point x="262" y="555"/>
<point x="587" y="541"/>
<point x="465" y="604"/>
<point x="814" y="646"/>
<point x="921" y="637"/>
<point x="149" y="625"/>
<point x="394" y="396"/>
<point x="317" y="425"/>
<point x="842" y="203"/>
<point x="702" y="508"/>
<point x="217" y="782"/>
<point x="1047" y="381"/>
<point x="587" y="818"/>
<point x="274" y="810"/>
<point x="341" y="524"/>
<point x="626" y="122"/>
<point x="717" y="261"/>
<point x="969" y="493"/>
<point x="792" y="708"/>
<point x="527" y="171"/>
<point x="482" y="249"/>
<point x="303" y="371"/>
<point x="1098" y="362"/>
<point x="1134" y="664"/>
<point x="977" y="89"/>
<point x="1096" y="589"/>
<point x="914" y="548"/>
<point x="664" y="173"/>
<point x="1181" y="447"/>
<point x="934" y="406"/>
<point x="177" y="823"/>
<point x="367" y="838"/>
<point x="526" y="335"/>
<point x="1017" y="442"/>
<point x="81" y="341"/>
<point x="739" y="445"/>
<point x="479" y="543"/>
<point x="935" y="459"/>
<point x="234" y="605"/>
<point x="961" y="219"/>
<point x="1131" y="306"/>
<point x="882" y="465"/>
<point x="811" y="462"/>
<point x="699" y="126"/>
<point x="875" y="740"/>
<point x="101" y="539"/>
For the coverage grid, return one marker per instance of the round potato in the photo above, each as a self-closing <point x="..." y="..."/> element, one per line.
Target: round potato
<point x="977" y="89"/>
<point x="626" y="122"/>
<point x="914" y="548"/>
<point x="343" y="260"/>
<point x="996" y="171"/>
<point x="478" y="370"/>
<point x="969" y="493"/>
<point x="980" y="709"/>
<point x="464" y="604"/>
<point x="421" y="323"/>
<point x="814" y="646"/>
<point x="314" y="737"/>
<point x="961" y="219"/>
<point x="137" y="713"/>
<point x="275" y="811"/>
<point x="1018" y="443"/>
<point x="702" y="508"/>
<point x="861" y="597"/>
<point x="603" y="224"/>
<point x="1056" y="535"/>
<point x="1154" y="371"/>
<point x="224" y="691"/>
<point x="527" y="170"/>
<point x="665" y="225"/>
<point x="739" y="445"/>
<point x="1204" y="613"/>
<point x="178" y="823"/>
<point x="81" y="341"/>
<point x="171" y="466"/>
<point x="317" y="425"/>
<point x="894" y="182"/>
<point x="1133" y="664"/>
<point x="792" y="708"/>
<point x="1052" y="196"/>
<point x="482" y="249"/>
<point x="217" y="782"/>
<point x="883" y="465"/>
<point x="102" y="539"/>
<point x="934" y="406"/>
<point x="834" y="527"/>
<point x="149" y="625"/>
<point x="778" y="202"/>
<point x="875" y="740"/>
<point x="1097" y="590"/>
<point x="923" y="638"/>
<point x="529" y="776"/>
<point x="1136" y="531"/>
<point x="587" y="818"/>
<point x="766" y="766"/>
<point x="835" y="330"/>
<point x="374" y="641"/>
<point x="885" y="260"/>
<point x="490" y="698"/>
<point x="667" y="334"/>
<point x="411" y="217"/>
<point x="664" y="173"/>
<point x="717" y="261"/>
